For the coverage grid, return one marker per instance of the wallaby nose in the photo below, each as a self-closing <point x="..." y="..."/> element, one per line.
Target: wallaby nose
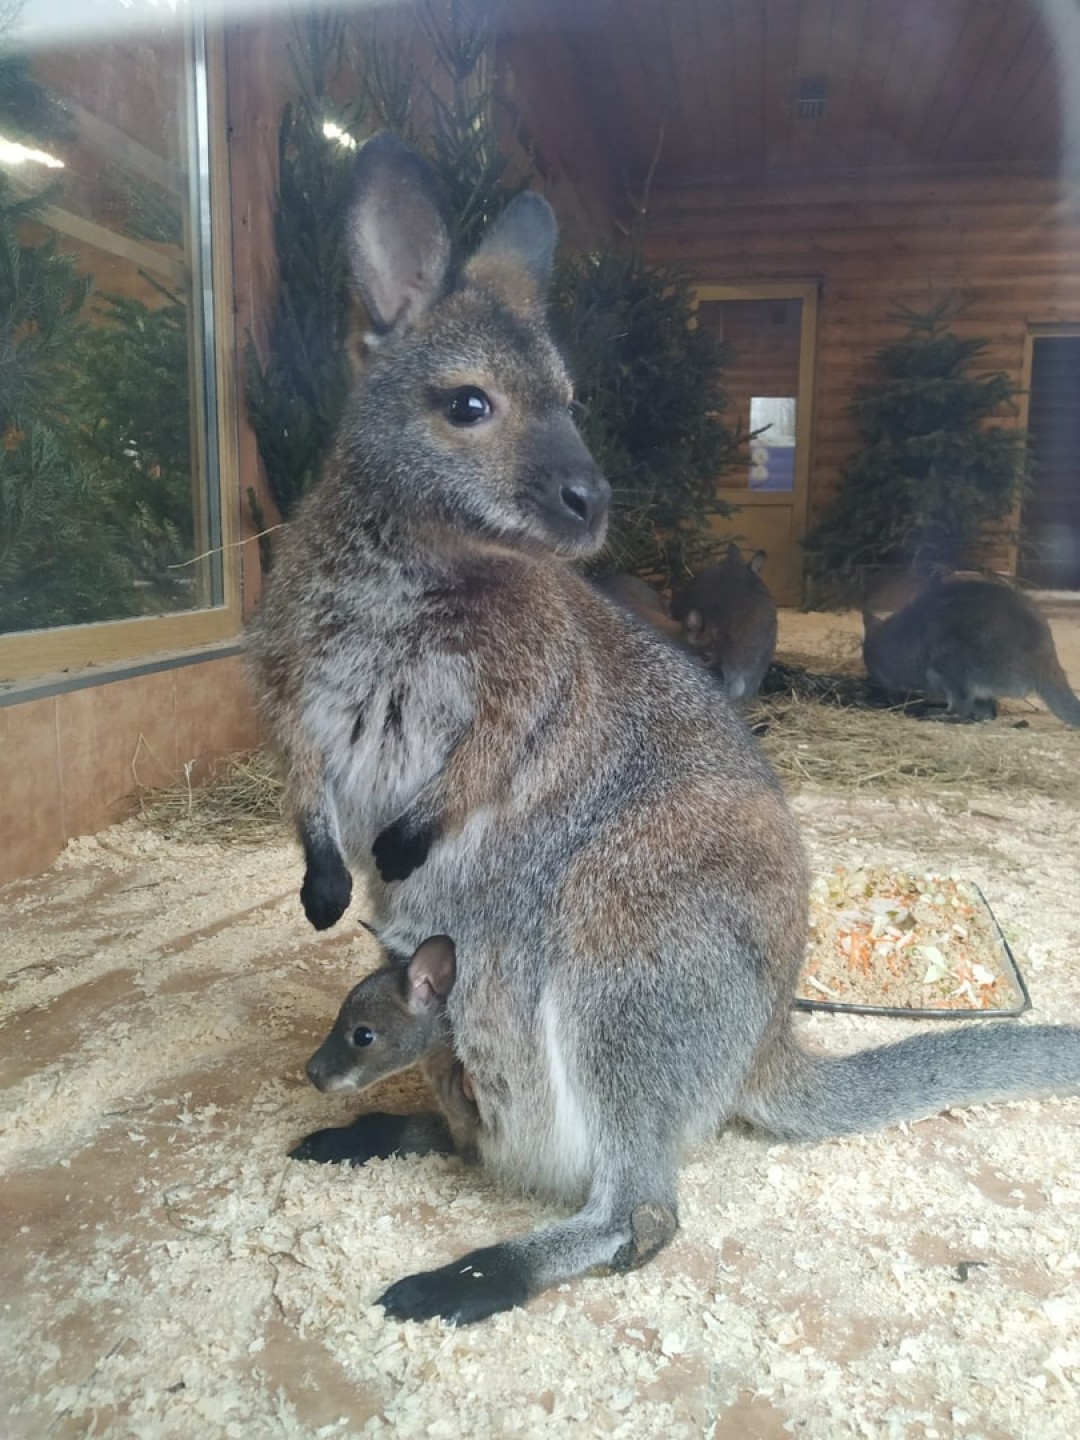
<point x="585" y="498"/>
<point x="314" y="1074"/>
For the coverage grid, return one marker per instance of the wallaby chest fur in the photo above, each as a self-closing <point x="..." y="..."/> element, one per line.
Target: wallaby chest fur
<point x="729" y="617"/>
<point x="509" y="760"/>
<point x="969" y="642"/>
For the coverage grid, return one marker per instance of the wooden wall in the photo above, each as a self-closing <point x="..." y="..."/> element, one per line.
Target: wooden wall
<point x="1011" y="242"/>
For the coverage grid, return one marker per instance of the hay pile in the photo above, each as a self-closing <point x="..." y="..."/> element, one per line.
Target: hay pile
<point x="242" y="802"/>
<point x="835" y="747"/>
<point x="834" y="732"/>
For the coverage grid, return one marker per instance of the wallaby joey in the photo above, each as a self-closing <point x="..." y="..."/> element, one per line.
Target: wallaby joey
<point x="396" y="1018"/>
<point x="637" y="597"/>
<point x="729" y="617"/>
<point x="508" y="759"/>
<point x="969" y="643"/>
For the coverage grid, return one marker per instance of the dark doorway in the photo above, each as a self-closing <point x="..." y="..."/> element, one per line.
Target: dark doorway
<point x="1050" y="548"/>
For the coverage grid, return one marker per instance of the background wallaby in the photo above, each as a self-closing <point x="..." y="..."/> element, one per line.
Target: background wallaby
<point x="510" y="760"/>
<point x="729" y="617"/>
<point x="969" y="642"/>
<point x="638" y="597"/>
<point x="395" y="1018"/>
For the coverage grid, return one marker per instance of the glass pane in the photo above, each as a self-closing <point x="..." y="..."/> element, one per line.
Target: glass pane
<point x="105" y="446"/>
<point x="761" y="375"/>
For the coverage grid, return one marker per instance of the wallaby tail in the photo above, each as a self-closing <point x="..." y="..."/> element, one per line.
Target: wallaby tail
<point x="810" y="1097"/>
<point x="1056" y="694"/>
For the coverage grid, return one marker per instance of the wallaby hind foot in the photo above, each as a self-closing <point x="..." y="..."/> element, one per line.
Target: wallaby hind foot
<point x="613" y="1233"/>
<point x="504" y="1277"/>
<point x="652" y="1228"/>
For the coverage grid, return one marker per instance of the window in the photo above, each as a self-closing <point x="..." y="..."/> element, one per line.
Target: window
<point x="112" y="528"/>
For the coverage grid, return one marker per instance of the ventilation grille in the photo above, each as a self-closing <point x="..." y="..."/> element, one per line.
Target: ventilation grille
<point x="810" y="97"/>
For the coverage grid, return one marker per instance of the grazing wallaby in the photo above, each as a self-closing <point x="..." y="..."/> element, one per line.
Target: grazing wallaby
<point x="969" y="642"/>
<point x="395" y="1018"/>
<point x="637" y="597"/>
<point x="729" y="617"/>
<point x="508" y="759"/>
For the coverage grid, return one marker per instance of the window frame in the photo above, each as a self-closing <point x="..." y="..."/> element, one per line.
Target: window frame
<point x="33" y="654"/>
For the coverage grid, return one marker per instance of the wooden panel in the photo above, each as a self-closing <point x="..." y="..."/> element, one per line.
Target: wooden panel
<point x="1011" y="245"/>
<point x="907" y="82"/>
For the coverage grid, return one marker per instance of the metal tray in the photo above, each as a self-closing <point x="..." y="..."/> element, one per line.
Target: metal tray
<point x="901" y="1012"/>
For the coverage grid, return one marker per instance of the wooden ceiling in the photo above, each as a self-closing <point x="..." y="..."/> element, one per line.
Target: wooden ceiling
<point x="906" y="83"/>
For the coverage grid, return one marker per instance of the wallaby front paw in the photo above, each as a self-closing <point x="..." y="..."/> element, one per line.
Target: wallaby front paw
<point x="480" y="1284"/>
<point x="326" y="892"/>
<point x="399" y="849"/>
<point x="371" y="1137"/>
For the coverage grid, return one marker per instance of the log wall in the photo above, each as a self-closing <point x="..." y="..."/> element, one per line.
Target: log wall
<point x="1010" y="242"/>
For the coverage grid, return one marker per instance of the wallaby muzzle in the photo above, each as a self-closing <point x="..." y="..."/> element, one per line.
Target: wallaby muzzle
<point x="328" y="1069"/>
<point x="571" y="492"/>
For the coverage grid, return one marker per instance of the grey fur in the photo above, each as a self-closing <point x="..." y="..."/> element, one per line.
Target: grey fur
<point x="562" y="794"/>
<point x="400" y="1010"/>
<point x="638" y="598"/>
<point x="729" y="617"/>
<point x="969" y="643"/>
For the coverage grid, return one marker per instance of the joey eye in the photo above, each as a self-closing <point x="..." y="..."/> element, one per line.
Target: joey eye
<point x="577" y="410"/>
<point x="468" y="405"/>
<point x="362" y="1036"/>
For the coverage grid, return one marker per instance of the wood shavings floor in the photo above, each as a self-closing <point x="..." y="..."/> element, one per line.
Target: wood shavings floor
<point x="165" y="1272"/>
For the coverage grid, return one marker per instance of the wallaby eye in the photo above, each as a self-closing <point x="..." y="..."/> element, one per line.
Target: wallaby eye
<point x="577" y="410"/>
<point x="362" y="1036"/>
<point x="467" y="406"/>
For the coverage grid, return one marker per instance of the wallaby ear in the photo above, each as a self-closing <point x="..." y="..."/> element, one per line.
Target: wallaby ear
<point x="431" y="971"/>
<point x="694" y="623"/>
<point x="399" y="246"/>
<point x="733" y="552"/>
<point x="757" y="561"/>
<point x="516" y="255"/>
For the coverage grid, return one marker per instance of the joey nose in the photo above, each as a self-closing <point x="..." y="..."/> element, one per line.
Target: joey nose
<point x="314" y="1074"/>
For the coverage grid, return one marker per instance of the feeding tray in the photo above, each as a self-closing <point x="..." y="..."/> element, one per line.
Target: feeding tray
<point x="884" y="942"/>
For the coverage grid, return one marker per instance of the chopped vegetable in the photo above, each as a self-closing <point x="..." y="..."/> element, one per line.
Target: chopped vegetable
<point x="915" y="942"/>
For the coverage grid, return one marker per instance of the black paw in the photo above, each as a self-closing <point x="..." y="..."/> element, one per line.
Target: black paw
<point x="400" y="849"/>
<point x="480" y="1284"/>
<point x="372" y="1137"/>
<point x="326" y="891"/>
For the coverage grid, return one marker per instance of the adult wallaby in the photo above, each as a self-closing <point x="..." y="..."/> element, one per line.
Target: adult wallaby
<point x="638" y="598"/>
<point x="395" y="1018"/>
<point x="729" y="617"/>
<point x="509" y="760"/>
<point x="969" y="642"/>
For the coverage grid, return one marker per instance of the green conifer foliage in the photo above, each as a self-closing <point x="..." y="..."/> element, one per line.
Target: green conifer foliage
<point x="295" y="396"/>
<point x="934" y="467"/>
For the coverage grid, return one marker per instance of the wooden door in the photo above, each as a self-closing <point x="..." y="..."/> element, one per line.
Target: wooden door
<point x="768" y="333"/>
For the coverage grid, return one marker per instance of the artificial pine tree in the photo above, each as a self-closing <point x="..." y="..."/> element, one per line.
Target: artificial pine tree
<point x="296" y="397"/>
<point x="95" y="478"/>
<point x="930" y="474"/>
<point x="57" y="564"/>
<point x="649" y="381"/>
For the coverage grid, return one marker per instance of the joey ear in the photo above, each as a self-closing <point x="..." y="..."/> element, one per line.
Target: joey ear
<point x="757" y="561"/>
<point x="431" y="971"/>
<point x="399" y="246"/>
<point x="694" y="623"/>
<point x="733" y="552"/>
<point x="516" y="255"/>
